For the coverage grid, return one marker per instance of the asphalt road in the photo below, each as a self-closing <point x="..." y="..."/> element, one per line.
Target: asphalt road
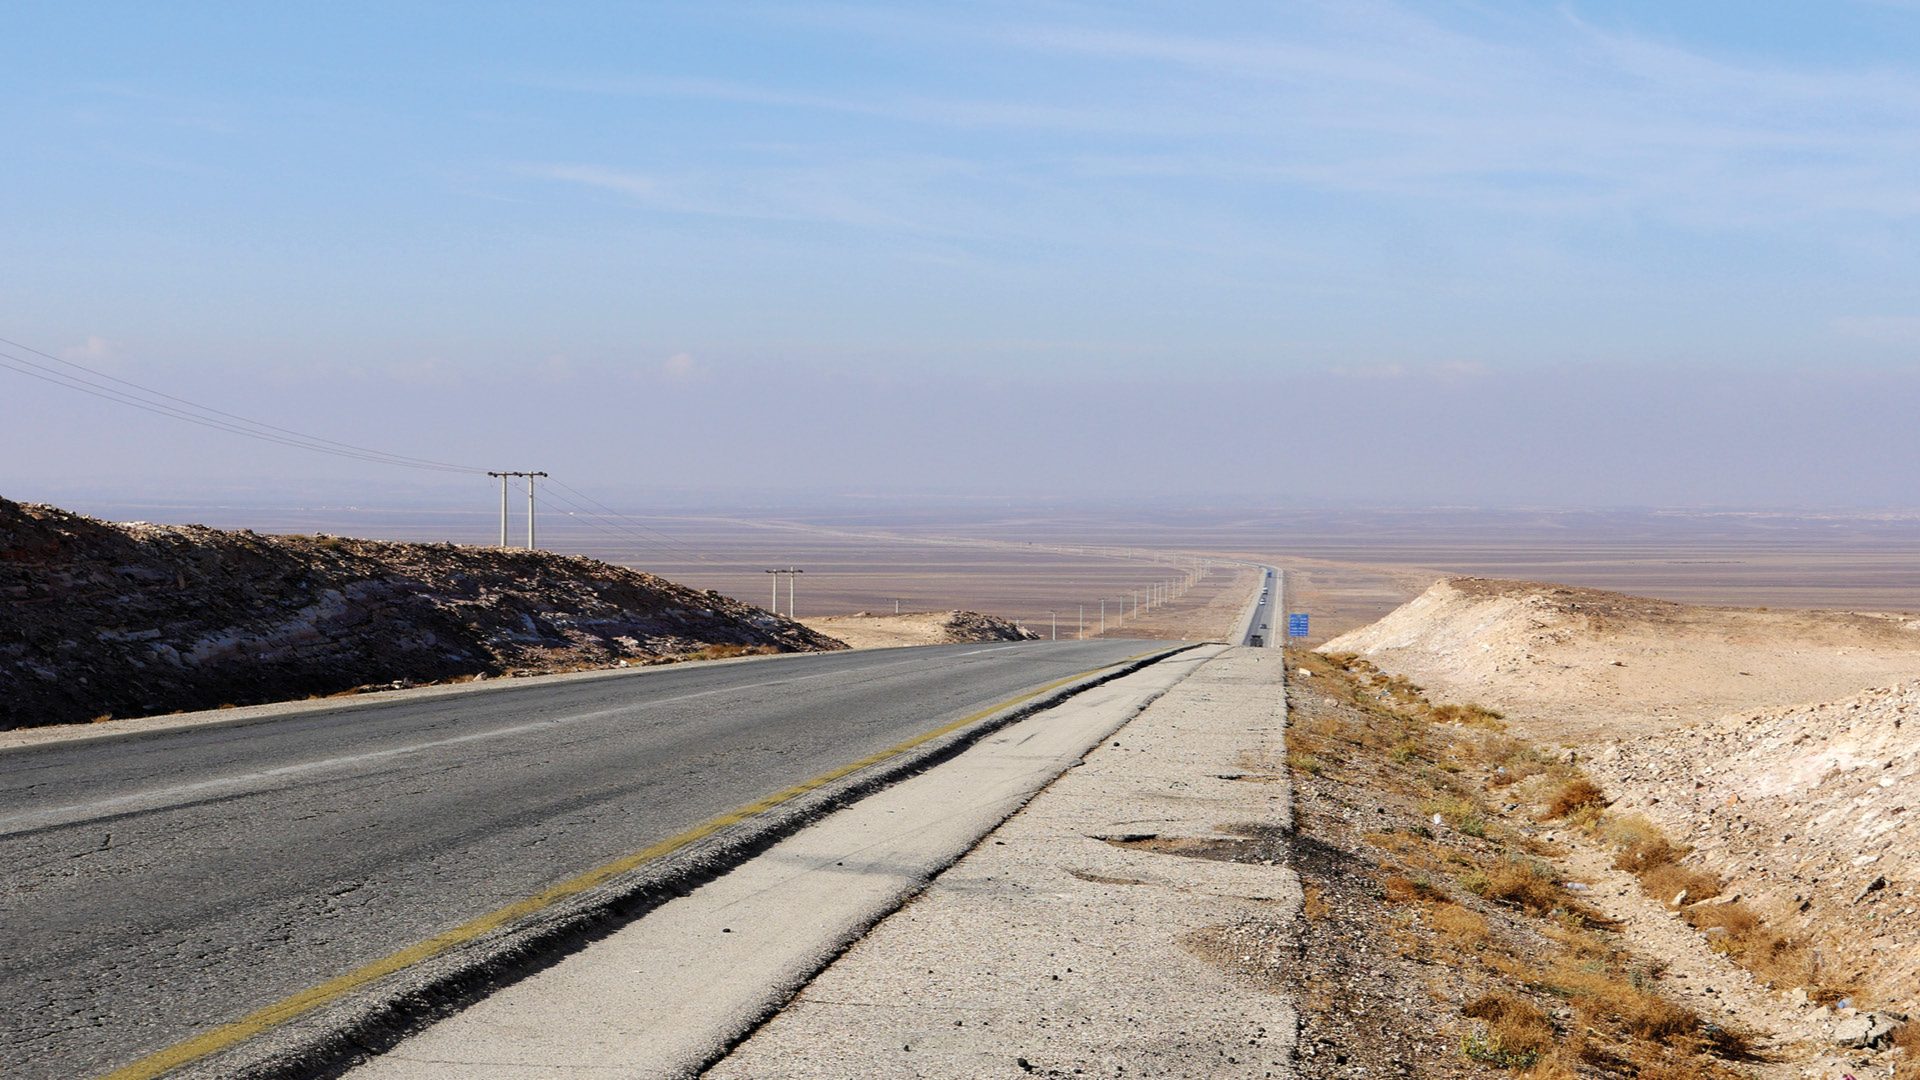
<point x="161" y="885"/>
<point x="1269" y="622"/>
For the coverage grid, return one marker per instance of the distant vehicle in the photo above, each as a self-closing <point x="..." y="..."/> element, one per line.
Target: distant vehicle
<point x="1265" y="626"/>
<point x="1256" y="640"/>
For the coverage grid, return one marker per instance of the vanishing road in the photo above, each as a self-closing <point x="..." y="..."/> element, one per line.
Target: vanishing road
<point x="1268" y="621"/>
<point x="159" y="885"/>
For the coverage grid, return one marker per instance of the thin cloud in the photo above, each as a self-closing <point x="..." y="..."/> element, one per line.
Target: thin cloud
<point x="93" y="350"/>
<point x="681" y="367"/>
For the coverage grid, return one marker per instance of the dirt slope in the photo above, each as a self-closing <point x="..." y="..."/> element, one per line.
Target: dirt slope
<point x="1773" y="745"/>
<point x="1575" y="665"/>
<point x="136" y="619"/>
<point x="874" y="630"/>
<point x="1806" y="812"/>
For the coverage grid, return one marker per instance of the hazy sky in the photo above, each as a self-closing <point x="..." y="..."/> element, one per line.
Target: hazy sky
<point x="1650" y="253"/>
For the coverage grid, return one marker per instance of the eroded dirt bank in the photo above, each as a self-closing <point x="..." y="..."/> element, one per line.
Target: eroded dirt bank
<point x="1473" y="907"/>
<point x="1753" y="770"/>
<point x="112" y="620"/>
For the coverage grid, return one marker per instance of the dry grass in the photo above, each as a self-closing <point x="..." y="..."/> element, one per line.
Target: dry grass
<point x="1779" y="960"/>
<point x="1313" y="902"/>
<point x="1671" y="883"/>
<point x="1398" y="889"/>
<point x="1461" y="926"/>
<point x="1578" y="793"/>
<point x="1551" y="1068"/>
<point x="728" y="652"/>
<point x="1537" y="944"/>
<point x="1468" y="715"/>
<point x="1907" y="1039"/>
<point x="1516" y="1034"/>
<point x="1598" y="988"/>
<point x="1462" y="814"/>
<point x="1523" y="883"/>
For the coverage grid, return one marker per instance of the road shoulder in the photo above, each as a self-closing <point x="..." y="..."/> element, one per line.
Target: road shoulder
<point x="1135" y="918"/>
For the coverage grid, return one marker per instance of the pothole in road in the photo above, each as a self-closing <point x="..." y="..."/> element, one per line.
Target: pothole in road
<point x="1103" y="879"/>
<point x="1263" y="845"/>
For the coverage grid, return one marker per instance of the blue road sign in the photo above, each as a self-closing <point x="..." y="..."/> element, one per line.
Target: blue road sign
<point x="1297" y="624"/>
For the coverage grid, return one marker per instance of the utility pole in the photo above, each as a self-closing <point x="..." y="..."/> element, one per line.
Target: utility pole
<point x="896" y="605"/>
<point x="503" y="504"/>
<point x="789" y="571"/>
<point x="1103" y="614"/>
<point x="529" y="476"/>
<point x="1082" y="631"/>
<point x="1055" y="616"/>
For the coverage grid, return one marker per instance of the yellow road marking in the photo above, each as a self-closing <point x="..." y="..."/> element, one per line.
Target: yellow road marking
<point x="268" y="1017"/>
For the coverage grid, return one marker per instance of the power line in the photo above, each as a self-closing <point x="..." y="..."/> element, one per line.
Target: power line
<point x="604" y="519"/>
<point x="610" y="523"/>
<point x="630" y="521"/>
<point x="206" y="416"/>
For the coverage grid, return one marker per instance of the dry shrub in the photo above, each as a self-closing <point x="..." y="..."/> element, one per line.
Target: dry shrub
<point x="1666" y="881"/>
<point x="1643" y="1013"/>
<point x="1401" y="890"/>
<point x="1313" y="902"/>
<point x="1458" y="924"/>
<point x="1639" y="856"/>
<point x="1511" y="760"/>
<point x="1551" y="1068"/>
<point x="1579" y="793"/>
<point x="1908" y="1040"/>
<point x="1457" y="812"/>
<point x="1632" y="829"/>
<point x="1780" y="961"/>
<point x="1524" y="883"/>
<point x="1517" y="1033"/>
<point x="1468" y="716"/>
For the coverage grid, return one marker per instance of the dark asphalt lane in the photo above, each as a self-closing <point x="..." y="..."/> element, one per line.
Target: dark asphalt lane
<point x="157" y="886"/>
<point x="1269" y="617"/>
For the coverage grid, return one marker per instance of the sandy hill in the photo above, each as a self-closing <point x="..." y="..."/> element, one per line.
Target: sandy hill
<point x="1574" y="664"/>
<point x="873" y="630"/>
<point x="135" y="619"/>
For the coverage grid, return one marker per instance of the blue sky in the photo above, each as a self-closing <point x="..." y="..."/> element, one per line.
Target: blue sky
<point x="599" y="237"/>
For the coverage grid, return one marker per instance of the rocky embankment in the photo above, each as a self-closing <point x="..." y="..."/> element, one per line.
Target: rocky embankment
<point x="1812" y="814"/>
<point x="1749" y="736"/>
<point x="879" y="630"/>
<point x="100" y="619"/>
